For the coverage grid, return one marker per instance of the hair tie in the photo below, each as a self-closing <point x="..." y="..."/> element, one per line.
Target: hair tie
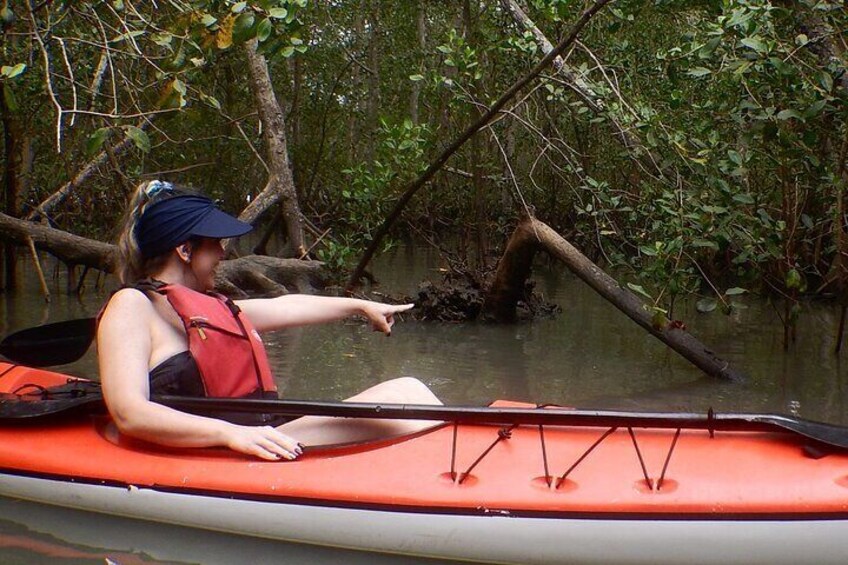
<point x="154" y="187"/>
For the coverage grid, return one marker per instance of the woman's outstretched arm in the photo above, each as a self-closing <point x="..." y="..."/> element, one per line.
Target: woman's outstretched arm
<point x="302" y="309"/>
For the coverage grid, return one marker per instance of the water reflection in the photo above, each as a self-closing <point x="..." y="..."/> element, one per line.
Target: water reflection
<point x="34" y="534"/>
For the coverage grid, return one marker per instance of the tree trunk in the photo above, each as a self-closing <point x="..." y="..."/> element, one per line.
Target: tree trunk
<point x="249" y="275"/>
<point x="823" y="40"/>
<point x="839" y="268"/>
<point x="280" y="185"/>
<point x="421" y="28"/>
<point x="373" y="104"/>
<point x="532" y="235"/>
<point x="477" y="147"/>
<point x="10" y="184"/>
<point x="69" y="248"/>
<point x="296" y="69"/>
<point x="355" y="104"/>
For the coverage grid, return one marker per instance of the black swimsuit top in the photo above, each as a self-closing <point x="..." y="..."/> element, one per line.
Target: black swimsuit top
<point x="177" y="375"/>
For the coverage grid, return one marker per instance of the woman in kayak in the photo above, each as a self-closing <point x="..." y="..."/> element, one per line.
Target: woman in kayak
<point x="166" y="333"/>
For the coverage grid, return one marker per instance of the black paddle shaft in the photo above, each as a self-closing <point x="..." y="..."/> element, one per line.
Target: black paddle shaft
<point x="84" y="396"/>
<point x="832" y="435"/>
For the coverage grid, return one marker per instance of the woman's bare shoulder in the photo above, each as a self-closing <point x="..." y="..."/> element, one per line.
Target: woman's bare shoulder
<point x="127" y="303"/>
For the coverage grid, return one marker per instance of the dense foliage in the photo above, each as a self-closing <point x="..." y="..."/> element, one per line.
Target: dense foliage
<point x="702" y="149"/>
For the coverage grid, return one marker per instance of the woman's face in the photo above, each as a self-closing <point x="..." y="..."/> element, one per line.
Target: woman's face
<point x="205" y="256"/>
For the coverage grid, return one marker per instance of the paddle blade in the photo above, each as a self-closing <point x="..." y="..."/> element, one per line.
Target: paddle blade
<point x="50" y="344"/>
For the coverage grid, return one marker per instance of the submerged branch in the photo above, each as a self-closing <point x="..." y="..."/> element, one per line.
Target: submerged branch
<point x="532" y="235"/>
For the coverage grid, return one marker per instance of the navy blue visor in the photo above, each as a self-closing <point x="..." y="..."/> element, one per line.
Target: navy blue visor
<point x="170" y="222"/>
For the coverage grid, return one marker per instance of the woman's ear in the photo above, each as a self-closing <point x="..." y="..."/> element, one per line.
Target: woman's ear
<point x="184" y="251"/>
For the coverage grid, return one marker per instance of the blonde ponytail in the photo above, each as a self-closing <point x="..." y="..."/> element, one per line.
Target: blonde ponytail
<point x="132" y="266"/>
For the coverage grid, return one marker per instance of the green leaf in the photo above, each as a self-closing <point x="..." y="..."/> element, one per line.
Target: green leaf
<point x="705" y="243"/>
<point x="699" y="72"/>
<point x="445" y="49"/>
<point x="263" y="30"/>
<point x="138" y="137"/>
<point x="780" y="66"/>
<point x="208" y="20"/>
<point x="211" y="100"/>
<point x="794" y="281"/>
<point x="238" y="7"/>
<point x="706" y="305"/>
<point x="735" y="157"/>
<point x="179" y="86"/>
<point x="287" y="51"/>
<point x="815" y="109"/>
<point x="740" y="16"/>
<point x="735" y="291"/>
<point x="416" y="78"/>
<point x="639" y="290"/>
<point x="743" y="198"/>
<point x="709" y="48"/>
<point x="95" y="141"/>
<point x="756" y="43"/>
<point x="243" y="27"/>
<point x="9" y="98"/>
<point x="787" y="114"/>
<point x="741" y="68"/>
<point x="826" y="81"/>
<point x="807" y="221"/>
<point x="278" y="13"/>
<point x="12" y="72"/>
<point x="161" y="39"/>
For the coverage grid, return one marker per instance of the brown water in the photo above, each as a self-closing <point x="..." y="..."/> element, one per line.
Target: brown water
<point x="590" y="356"/>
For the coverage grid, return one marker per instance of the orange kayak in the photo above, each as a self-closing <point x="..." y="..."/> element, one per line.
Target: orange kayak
<point x="507" y="494"/>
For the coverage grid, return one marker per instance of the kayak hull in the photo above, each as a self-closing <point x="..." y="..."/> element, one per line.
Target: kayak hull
<point x="495" y="538"/>
<point x="471" y="492"/>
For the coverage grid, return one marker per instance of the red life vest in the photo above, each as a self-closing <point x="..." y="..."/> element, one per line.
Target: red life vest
<point x="225" y="345"/>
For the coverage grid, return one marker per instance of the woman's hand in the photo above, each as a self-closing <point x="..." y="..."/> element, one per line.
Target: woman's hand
<point x="262" y="441"/>
<point x="381" y="316"/>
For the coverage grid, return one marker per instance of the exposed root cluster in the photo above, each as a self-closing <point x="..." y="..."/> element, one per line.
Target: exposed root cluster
<point x="461" y="300"/>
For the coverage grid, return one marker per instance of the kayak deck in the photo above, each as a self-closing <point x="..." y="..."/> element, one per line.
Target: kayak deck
<point x="516" y="472"/>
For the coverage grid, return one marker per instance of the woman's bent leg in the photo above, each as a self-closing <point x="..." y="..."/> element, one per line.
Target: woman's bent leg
<point x="323" y="430"/>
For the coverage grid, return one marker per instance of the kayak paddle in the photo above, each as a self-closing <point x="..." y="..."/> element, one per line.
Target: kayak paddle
<point x="85" y="396"/>
<point x="50" y="344"/>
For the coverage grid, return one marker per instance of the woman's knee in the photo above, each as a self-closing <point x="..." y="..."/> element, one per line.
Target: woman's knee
<point x="402" y="390"/>
<point x="411" y="390"/>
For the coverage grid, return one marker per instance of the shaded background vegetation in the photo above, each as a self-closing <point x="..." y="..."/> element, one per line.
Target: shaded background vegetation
<point x="693" y="146"/>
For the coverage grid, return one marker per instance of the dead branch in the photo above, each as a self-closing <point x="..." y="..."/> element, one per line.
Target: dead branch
<point x="514" y="268"/>
<point x="469" y="132"/>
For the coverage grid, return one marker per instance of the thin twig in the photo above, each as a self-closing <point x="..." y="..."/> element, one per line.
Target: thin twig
<point x="48" y="83"/>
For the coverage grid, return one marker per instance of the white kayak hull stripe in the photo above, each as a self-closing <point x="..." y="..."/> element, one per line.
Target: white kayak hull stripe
<point x="493" y="538"/>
